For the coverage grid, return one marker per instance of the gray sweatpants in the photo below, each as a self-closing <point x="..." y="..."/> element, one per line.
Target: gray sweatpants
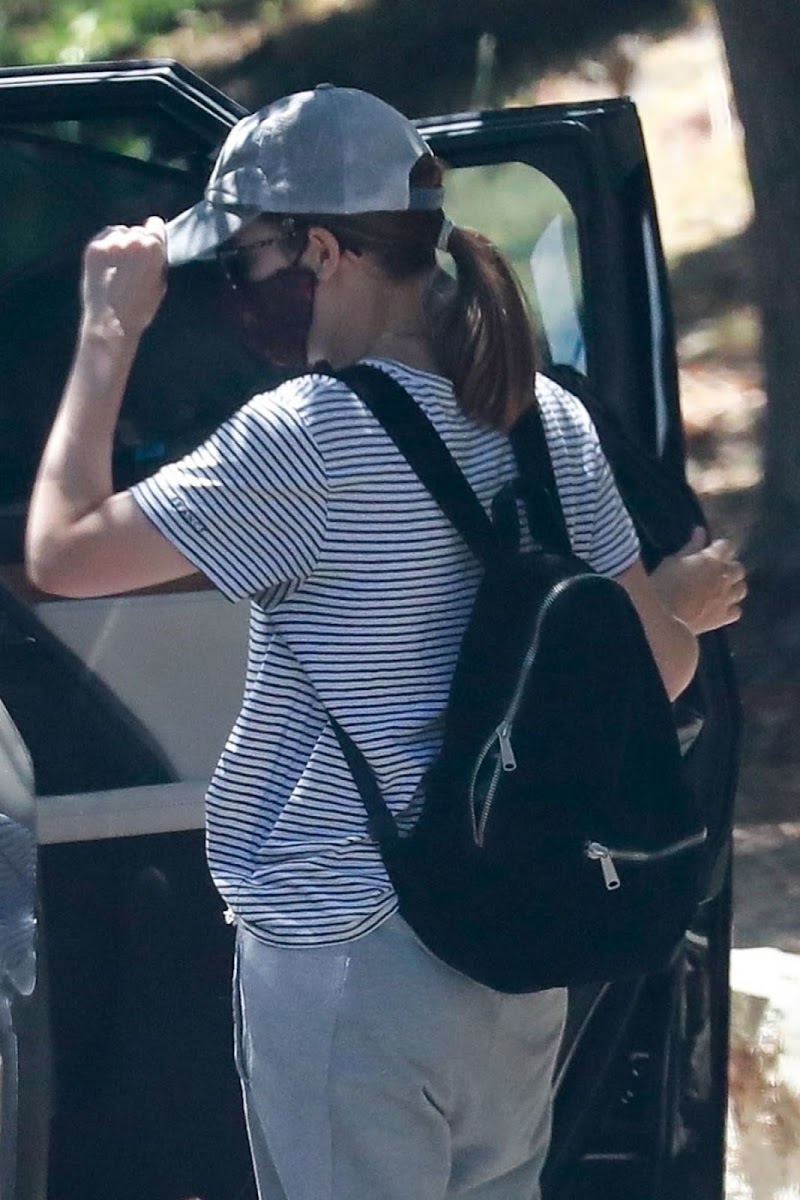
<point x="371" y="1071"/>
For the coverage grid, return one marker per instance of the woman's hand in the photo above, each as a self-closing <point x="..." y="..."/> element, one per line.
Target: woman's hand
<point x="703" y="586"/>
<point x="124" y="279"/>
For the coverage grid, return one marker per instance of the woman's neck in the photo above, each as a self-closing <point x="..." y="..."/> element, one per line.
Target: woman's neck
<point x="371" y="316"/>
<point x="413" y="349"/>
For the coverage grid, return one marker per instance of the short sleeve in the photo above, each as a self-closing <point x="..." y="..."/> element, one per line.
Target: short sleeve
<point x="249" y="507"/>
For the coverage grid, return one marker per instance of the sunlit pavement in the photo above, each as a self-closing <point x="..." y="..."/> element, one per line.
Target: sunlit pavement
<point x="764" y="1124"/>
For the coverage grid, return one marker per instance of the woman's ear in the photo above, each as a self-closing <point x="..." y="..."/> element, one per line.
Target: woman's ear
<point x="323" y="252"/>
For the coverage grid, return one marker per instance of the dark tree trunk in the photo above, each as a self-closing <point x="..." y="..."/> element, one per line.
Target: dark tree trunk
<point x="762" y="38"/>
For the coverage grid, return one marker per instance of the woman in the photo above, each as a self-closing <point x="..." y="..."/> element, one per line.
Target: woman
<point x="370" y="1071"/>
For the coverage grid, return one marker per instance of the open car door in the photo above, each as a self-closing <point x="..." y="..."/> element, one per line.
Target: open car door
<point x="565" y="191"/>
<point x="111" y="695"/>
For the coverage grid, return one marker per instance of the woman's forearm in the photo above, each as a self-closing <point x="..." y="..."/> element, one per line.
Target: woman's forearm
<point x="673" y="644"/>
<point x="75" y="474"/>
<point x="122" y="285"/>
<point x="77" y="457"/>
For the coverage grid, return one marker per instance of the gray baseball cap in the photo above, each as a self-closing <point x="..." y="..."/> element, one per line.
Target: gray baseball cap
<point x="332" y="150"/>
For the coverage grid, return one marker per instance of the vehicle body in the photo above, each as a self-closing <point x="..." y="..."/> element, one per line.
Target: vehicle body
<point x="117" y="1073"/>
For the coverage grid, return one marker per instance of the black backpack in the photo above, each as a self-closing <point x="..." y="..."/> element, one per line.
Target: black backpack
<point x="558" y="842"/>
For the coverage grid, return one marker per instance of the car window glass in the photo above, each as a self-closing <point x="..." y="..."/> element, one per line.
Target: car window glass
<point x="58" y="191"/>
<point x="60" y="179"/>
<point x="528" y="216"/>
<point x="658" y="323"/>
<point x="150" y="137"/>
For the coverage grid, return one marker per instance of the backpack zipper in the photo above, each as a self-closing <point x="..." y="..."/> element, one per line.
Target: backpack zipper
<point x="502" y="734"/>
<point x="507" y="762"/>
<point x="597" y="852"/>
<point x="507" y="758"/>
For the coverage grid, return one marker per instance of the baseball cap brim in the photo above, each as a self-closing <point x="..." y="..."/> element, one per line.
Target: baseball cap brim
<point x="197" y="233"/>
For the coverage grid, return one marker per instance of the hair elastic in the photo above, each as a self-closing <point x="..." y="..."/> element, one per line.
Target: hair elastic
<point x="446" y="229"/>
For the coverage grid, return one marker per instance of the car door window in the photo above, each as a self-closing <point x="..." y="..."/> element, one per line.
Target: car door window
<point x="61" y="182"/>
<point x="565" y="191"/>
<point x="531" y="220"/>
<point x="59" y="179"/>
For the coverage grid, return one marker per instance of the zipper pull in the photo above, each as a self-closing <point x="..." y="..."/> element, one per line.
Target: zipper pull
<point x="602" y="854"/>
<point x="507" y="758"/>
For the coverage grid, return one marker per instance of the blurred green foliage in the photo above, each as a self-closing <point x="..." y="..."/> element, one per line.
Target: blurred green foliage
<point x="79" y="30"/>
<point x="34" y="31"/>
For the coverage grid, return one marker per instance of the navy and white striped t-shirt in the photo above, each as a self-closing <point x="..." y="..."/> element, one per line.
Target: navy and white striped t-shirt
<point x="360" y="593"/>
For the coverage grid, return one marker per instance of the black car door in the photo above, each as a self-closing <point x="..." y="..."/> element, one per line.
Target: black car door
<point x="98" y="689"/>
<point x="565" y="191"/>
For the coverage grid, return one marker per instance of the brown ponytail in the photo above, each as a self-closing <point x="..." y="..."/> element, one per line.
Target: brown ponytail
<point x="483" y="335"/>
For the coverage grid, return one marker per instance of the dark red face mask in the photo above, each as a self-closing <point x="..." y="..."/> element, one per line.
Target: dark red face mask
<point x="276" y="314"/>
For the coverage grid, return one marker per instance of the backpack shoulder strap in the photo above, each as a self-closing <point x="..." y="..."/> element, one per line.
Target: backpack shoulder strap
<point x="430" y="460"/>
<point x="663" y="506"/>
<point x="539" y="488"/>
<point x="380" y="818"/>
<point x="421" y="446"/>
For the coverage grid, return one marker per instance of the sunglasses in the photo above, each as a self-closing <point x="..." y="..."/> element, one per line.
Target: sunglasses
<point x="235" y="261"/>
